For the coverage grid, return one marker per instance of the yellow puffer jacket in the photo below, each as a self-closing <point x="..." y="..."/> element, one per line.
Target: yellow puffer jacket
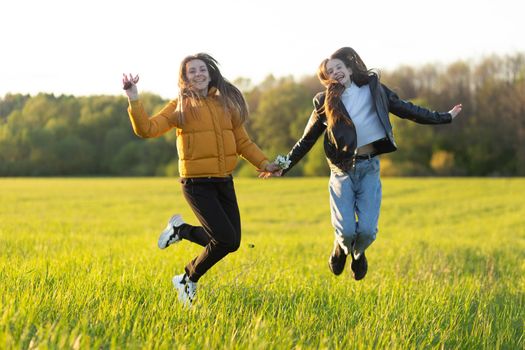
<point x="209" y="139"/>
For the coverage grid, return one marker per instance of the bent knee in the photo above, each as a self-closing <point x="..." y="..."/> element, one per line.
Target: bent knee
<point x="348" y="233"/>
<point x="368" y="233"/>
<point x="234" y="246"/>
<point x="230" y="245"/>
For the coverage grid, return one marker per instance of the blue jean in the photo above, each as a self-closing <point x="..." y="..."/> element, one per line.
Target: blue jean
<point x="355" y="201"/>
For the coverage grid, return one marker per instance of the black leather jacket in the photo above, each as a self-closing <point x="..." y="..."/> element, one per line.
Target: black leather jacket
<point x="343" y="151"/>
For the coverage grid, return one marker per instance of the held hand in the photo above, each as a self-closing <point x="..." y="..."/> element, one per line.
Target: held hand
<point x="270" y="170"/>
<point x="129" y="84"/>
<point x="272" y="167"/>
<point x="455" y="110"/>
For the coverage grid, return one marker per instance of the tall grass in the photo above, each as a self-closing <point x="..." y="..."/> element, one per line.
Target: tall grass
<point x="79" y="268"/>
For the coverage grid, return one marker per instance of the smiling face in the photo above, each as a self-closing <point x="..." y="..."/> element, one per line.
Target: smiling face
<point x="198" y="76"/>
<point x="337" y="70"/>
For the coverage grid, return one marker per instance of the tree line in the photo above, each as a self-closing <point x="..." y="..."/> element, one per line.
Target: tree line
<point x="48" y="135"/>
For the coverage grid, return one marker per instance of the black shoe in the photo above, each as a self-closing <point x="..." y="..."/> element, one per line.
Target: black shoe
<point x="359" y="266"/>
<point x="337" y="260"/>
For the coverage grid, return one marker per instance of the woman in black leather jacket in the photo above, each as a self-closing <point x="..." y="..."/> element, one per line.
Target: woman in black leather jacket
<point x="353" y="113"/>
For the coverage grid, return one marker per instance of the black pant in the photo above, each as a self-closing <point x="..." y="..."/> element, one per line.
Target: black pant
<point x="214" y="203"/>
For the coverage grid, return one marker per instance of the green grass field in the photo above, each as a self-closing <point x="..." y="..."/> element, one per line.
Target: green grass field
<point x="80" y="269"/>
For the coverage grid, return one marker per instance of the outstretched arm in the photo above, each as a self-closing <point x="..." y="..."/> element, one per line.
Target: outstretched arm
<point x="415" y="113"/>
<point x="314" y="128"/>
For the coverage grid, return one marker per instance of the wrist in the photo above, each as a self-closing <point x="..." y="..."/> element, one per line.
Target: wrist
<point x="133" y="97"/>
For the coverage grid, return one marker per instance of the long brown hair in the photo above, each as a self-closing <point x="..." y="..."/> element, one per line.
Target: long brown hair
<point x="230" y="96"/>
<point x="334" y="89"/>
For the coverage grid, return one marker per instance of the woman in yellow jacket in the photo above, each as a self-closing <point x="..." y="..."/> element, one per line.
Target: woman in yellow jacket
<point x="208" y="116"/>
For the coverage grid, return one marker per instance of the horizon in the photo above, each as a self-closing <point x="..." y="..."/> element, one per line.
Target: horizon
<point x="120" y="92"/>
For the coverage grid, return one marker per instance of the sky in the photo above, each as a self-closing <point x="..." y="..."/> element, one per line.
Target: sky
<point x="82" y="47"/>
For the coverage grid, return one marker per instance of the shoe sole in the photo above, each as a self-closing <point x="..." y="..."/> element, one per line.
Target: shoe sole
<point x="168" y="231"/>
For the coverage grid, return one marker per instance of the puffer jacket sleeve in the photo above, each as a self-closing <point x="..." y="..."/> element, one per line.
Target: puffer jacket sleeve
<point x="146" y="126"/>
<point x="247" y="149"/>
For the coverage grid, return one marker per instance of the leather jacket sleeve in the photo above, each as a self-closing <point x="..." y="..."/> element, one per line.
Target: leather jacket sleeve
<point x="408" y="110"/>
<point x="314" y="128"/>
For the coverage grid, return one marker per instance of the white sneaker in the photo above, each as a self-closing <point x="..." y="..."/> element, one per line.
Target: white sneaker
<point x="191" y="291"/>
<point x="169" y="236"/>
<point x="186" y="289"/>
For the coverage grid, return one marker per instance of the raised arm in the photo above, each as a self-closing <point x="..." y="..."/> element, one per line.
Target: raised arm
<point x="144" y="125"/>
